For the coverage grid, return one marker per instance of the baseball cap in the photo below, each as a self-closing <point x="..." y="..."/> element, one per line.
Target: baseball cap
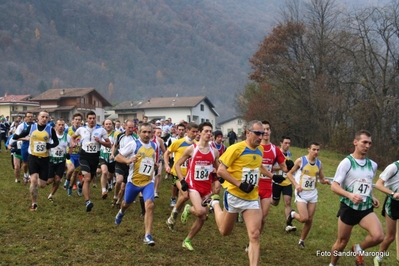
<point x="157" y="122"/>
<point x="162" y="120"/>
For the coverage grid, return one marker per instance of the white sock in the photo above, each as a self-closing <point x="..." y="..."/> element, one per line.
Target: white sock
<point x="331" y="264"/>
<point x="103" y="189"/>
<point x="358" y="248"/>
<point x="214" y="202"/>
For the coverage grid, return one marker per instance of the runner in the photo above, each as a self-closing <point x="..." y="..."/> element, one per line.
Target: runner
<point x="140" y="156"/>
<point x="92" y="137"/>
<point x="203" y="158"/>
<point x="353" y="183"/>
<point x="58" y="157"/>
<point x="308" y="171"/>
<point x="39" y="134"/>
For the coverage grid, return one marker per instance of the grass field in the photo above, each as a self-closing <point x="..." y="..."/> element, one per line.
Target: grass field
<point x="62" y="233"/>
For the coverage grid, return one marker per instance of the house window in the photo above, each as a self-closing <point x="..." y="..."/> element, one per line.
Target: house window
<point x="202" y="120"/>
<point x="82" y="100"/>
<point x="239" y="122"/>
<point x="202" y="107"/>
<point x="97" y="103"/>
<point x="24" y="108"/>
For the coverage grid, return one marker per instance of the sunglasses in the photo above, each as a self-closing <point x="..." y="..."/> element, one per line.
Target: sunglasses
<point x="257" y="133"/>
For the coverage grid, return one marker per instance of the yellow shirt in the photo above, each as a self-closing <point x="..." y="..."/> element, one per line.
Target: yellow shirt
<point x="178" y="147"/>
<point x="38" y="141"/>
<point x="243" y="163"/>
<point x="144" y="167"/>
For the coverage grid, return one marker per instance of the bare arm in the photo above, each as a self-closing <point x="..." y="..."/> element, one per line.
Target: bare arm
<point x="222" y="172"/>
<point x="186" y="154"/>
<point x="290" y="174"/>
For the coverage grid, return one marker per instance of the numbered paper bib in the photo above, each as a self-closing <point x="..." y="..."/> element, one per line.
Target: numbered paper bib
<point x="308" y="182"/>
<point x="106" y="150"/>
<point x="57" y="152"/>
<point x="362" y="188"/>
<point x="39" y="147"/>
<point x="90" y="147"/>
<point x="269" y="168"/>
<point x="146" y="166"/>
<point x="250" y="176"/>
<point x="202" y="172"/>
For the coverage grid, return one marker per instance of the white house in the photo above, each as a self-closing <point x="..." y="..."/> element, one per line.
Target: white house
<point x="191" y="109"/>
<point x="236" y="123"/>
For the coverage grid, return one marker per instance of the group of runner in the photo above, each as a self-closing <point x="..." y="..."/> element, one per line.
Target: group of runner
<point x="254" y="173"/>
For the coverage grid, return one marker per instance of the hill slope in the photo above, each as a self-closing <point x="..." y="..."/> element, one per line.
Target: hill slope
<point x="133" y="49"/>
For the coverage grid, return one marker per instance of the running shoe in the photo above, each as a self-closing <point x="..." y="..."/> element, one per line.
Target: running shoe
<point x="89" y="206"/>
<point x="290" y="218"/>
<point x="66" y="184"/>
<point x="69" y="191"/>
<point x="113" y="204"/>
<point x="301" y="244"/>
<point x="156" y="195"/>
<point x="80" y="190"/>
<point x="290" y="228"/>
<point x="240" y="219"/>
<point x="170" y="222"/>
<point x="377" y="262"/>
<point x="105" y="195"/>
<point x="119" y="217"/>
<point x="94" y="185"/>
<point x="148" y="240"/>
<point x="185" y="214"/>
<point x="246" y="248"/>
<point x="359" y="257"/>
<point x="172" y="202"/>
<point x="33" y="207"/>
<point x="50" y="198"/>
<point x="187" y="244"/>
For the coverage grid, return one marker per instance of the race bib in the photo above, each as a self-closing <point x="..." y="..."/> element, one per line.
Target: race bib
<point x="146" y="166"/>
<point x="362" y="188"/>
<point x="57" y="152"/>
<point x="269" y="168"/>
<point x="90" y="147"/>
<point x="250" y="176"/>
<point x="106" y="150"/>
<point x="308" y="182"/>
<point x="202" y="172"/>
<point x="39" y="147"/>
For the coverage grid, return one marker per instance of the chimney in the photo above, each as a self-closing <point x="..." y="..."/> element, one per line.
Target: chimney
<point x="62" y="92"/>
<point x="5" y="94"/>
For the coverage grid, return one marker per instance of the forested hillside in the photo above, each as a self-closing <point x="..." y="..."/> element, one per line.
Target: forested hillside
<point x="131" y="49"/>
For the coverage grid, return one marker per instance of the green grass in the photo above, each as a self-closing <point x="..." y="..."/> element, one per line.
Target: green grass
<point x="62" y="233"/>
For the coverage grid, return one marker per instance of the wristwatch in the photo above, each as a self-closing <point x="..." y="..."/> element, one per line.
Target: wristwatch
<point x="392" y="193"/>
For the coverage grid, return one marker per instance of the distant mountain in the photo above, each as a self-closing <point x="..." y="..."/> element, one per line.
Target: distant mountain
<point x="133" y="49"/>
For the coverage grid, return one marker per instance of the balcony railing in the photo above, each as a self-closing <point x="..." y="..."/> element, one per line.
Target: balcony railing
<point x="85" y="106"/>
